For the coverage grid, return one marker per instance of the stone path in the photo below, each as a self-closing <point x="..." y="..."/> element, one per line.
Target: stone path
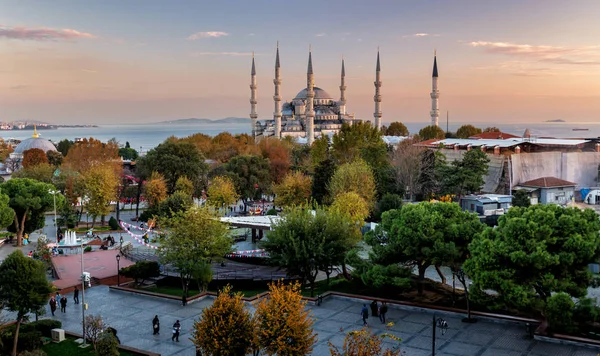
<point x="132" y="314"/>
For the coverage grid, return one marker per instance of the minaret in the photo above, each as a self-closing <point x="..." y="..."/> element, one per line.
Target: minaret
<point x="276" y="96"/>
<point x="343" y="90"/>
<point x="377" y="98"/>
<point x="435" y="93"/>
<point x="310" y="96"/>
<point x="253" y="101"/>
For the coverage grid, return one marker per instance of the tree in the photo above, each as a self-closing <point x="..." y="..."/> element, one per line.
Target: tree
<point x="396" y="128"/>
<point x="386" y="203"/>
<point x="194" y="237"/>
<point x="64" y="146"/>
<point x="174" y="160"/>
<point x="107" y="344"/>
<point x="29" y="199"/>
<point x="431" y="132"/>
<point x="491" y="129"/>
<point x="184" y="185"/>
<point x="141" y="270"/>
<point x="284" y="326"/>
<point x="433" y="171"/>
<point x="155" y="190"/>
<point x="321" y="178"/>
<point x="94" y="326"/>
<point x="55" y="158"/>
<point x="466" y="131"/>
<point x="350" y="142"/>
<point x="294" y="189"/>
<point x="466" y="176"/>
<point x="101" y="183"/>
<point x="248" y="173"/>
<point x="407" y="163"/>
<point x="536" y="252"/>
<point x="128" y="153"/>
<point x="364" y="343"/>
<point x="354" y="177"/>
<point x="319" y="151"/>
<point x="221" y="192"/>
<point x="7" y="214"/>
<point x="422" y="235"/>
<point x="5" y="150"/>
<point x="521" y="199"/>
<point x="88" y="153"/>
<point x="24" y="288"/>
<point x="34" y="157"/>
<point x="176" y="203"/>
<point x="42" y="172"/>
<point x="278" y="154"/>
<point x="226" y="327"/>
<point x="353" y="205"/>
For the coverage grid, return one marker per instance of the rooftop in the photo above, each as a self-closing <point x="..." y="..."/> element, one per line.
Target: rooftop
<point x="493" y="136"/>
<point x="547" y="182"/>
<point x="489" y="198"/>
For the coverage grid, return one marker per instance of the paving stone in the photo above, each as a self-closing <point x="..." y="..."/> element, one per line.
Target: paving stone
<point x="460" y="348"/>
<point x="551" y="350"/>
<point x="501" y="352"/>
<point x="475" y="338"/>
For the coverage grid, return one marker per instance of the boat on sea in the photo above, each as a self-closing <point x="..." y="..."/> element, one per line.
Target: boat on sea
<point x="580" y="129"/>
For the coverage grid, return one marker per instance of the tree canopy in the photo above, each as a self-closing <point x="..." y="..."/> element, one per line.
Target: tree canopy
<point x="87" y="153"/>
<point x="396" y="128"/>
<point x="294" y="189"/>
<point x="466" y="176"/>
<point x="430" y="132"/>
<point x="155" y="189"/>
<point x="221" y="192"/>
<point x="466" y="131"/>
<point x="355" y="177"/>
<point x="251" y="175"/>
<point x="34" y="157"/>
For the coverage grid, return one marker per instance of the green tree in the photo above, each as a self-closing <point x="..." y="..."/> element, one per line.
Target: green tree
<point x="491" y="129"/>
<point x="321" y="178"/>
<point x="43" y="172"/>
<point x="433" y="171"/>
<point x="251" y="175"/>
<point x="535" y="252"/>
<point x="64" y="146"/>
<point x="294" y="189"/>
<point x="7" y="214"/>
<point x="422" y="235"/>
<point x="24" y="288"/>
<point x="319" y="151"/>
<point x="128" y="153"/>
<point x="174" y="160"/>
<point x="55" y="158"/>
<point x="225" y="327"/>
<point x="465" y="176"/>
<point x="466" y="131"/>
<point x="184" y="185"/>
<point x="29" y="199"/>
<point x="386" y="203"/>
<point x="396" y="128"/>
<point x="101" y="184"/>
<point x="350" y="142"/>
<point x="194" y="237"/>
<point x="354" y="177"/>
<point x="141" y="270"/>
<point x="521" y="199"/>
<point x="431" y="132"/>
<point x="176" y="203"/>
<point x="353" y="205"/>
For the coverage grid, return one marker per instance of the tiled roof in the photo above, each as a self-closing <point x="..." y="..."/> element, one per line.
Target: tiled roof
<point x="547" y="182"/>
<point x="493" y="136"/>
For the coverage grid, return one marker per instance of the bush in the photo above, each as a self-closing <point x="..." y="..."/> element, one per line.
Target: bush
<point x="33" y="353"/>
<point x="559" y="312"/>
<point x="271" y="211"/>
<point x="87" y="249"/>
<point x="107" y="345"/>
<point x="29" y="341"/>
<point x="45" y="326"/>
<point x="113" y="223"/>
<point x="147" y="215"/>
<point x="586" y="311"/>
<point x="141" y="271"/>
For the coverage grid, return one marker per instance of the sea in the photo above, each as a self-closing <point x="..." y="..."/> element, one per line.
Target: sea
<point x="144" y="137"/>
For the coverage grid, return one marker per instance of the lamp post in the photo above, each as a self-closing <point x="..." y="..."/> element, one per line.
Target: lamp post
<point x="118" y="269"/>
<point x="54" y="192"/>
<point x="440" y="323"/>
<point x="83" y="305"/>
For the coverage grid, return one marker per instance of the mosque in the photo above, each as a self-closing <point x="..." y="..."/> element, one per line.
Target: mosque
<point x="314" y="112"/>
<point x="35" y="141"/>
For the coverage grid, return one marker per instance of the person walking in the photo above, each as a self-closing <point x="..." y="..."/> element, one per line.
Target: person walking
<point x="63" y="304"/>
<point x="382" y="311"/>
<point x="365" y="314"/>
<point x="176" y="331"/>
<point x="374" y="308"/>
<point x="76" y="295"/>
<point x="156" y="325"/>
<point x="52" y="305"/>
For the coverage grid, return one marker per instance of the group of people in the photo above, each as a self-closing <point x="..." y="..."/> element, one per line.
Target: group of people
<point x="57" y="299"/>
<point x="377" y="310"/>
<point x="176" y="328"/>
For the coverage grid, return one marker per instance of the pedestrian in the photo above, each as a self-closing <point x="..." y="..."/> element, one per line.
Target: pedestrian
<point x="63" y="304"/>
<point x="58" y="296"/>
<point x="365" y="314"/>
<point x="52" y="305"/>
<point x="176" y="330"/>
<point x="382" y="311"/>
<point x="156" y="325"/>
<point x="183" y="300"/>
<point x="374" y="308"/>
<point x="76" y="295"/>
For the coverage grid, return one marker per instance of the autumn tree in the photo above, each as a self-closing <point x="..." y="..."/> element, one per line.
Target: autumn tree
<point x="250" y="174"/>
<point x="33" y="157"/>
<point x="55" y="158"/>
<point x="364" y="343"/>
<point x="184" y="185"/>
<point x="155" y="190"/>
<point x="29" y="199"/>
<point x="101" y="184"/>
<point x="195" y="237"/>
<point x="284" y="326"/>
<point x="225" y="327"/>
<point x="223" y="147"/>
<point x="5" y="150"/>
<point x="294" y="189"/>
<point x="64" y="146"/>
<point x="87" y="153"/>
<point x="278" y="154"/>
<point x="431" y="132"/>
<point x="221" y="192"/>
<point x="353" y="205"/>
<point x="396" y="128"/>
<point x="43" y="172"/>
<point x="466" y="131"/>
<point x="203" y="143"/>
<point x="355" y="177"/>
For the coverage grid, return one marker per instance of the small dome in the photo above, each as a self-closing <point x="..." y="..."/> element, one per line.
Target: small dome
<point x="35" y="142"/>
<point x="319" y="94"/>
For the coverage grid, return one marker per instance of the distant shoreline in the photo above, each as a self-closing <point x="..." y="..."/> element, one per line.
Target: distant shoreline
<point x="48" y="127"/>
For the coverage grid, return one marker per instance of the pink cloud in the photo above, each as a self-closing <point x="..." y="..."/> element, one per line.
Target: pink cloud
<point x="41" y="33"/>
<point x="209" y="34"/>
<point x="582" y="55"/>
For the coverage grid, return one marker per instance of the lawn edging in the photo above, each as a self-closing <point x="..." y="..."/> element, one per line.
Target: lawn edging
<point x="189" y="300"/>
<point x="132" y="350"/>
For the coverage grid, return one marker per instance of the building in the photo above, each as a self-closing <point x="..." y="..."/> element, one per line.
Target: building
<point x="549" y="190"/>
<point x="35" y="141"/>
<point x="486" y="204"/>
<point x="312" y="112"/>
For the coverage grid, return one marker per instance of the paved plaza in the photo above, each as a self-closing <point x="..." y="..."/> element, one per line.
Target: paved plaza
<point x="132" y="316"/>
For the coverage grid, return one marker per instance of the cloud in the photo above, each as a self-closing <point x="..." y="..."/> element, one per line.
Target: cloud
<point x="321" y="34"/>
<point x="250" y="34"/>
<point x="234" y="54"/>
<point x="527" y="69"/>
<point x="41" y="33"/>
<point x="18" y="87"/>
<point x="583" y="55"/>
<point x="209" y="34"/>
<point x="421" y="35"/>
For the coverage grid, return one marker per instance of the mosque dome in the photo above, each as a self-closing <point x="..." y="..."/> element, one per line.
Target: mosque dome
<point x="35" y="141"/>
<point x="319" y="94"/>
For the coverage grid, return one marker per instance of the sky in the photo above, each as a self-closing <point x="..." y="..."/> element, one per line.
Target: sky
<point x="138" y="61"/>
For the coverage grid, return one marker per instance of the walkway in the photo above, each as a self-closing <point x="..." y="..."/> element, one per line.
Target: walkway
<point x="132" y="316"/>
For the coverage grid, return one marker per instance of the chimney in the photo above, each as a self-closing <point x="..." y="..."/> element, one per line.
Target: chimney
<point x="497" y="150"/>
<point x="518" y="149"/>
<point x="483" y="148"/>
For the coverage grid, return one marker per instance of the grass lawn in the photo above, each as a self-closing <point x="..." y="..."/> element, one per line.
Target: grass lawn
<point x="96" y="229"/>
<point x="175" y="291"/>
<point x="70" y="348"/>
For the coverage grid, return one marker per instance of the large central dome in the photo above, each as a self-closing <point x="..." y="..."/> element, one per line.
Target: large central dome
<point x="35" y="142"/>
<point x="319" y="94"/>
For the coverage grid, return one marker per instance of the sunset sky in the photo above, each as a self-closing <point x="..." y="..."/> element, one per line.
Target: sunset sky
<point x="136" y="61"/>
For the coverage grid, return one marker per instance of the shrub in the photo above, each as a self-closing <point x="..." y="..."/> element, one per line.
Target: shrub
<point x="33" y="353"/>
<point x="29" y="341"/>
<point x="141" y="271"/>
<point x="559" y="312"/>
<point x="107" y="345"/>
<point x="113" y="223"/>
<point x="271" y="211"/>
<point x="87" y="249"/>
<point x="45" y="326"/>
<point x="586" y="311"/>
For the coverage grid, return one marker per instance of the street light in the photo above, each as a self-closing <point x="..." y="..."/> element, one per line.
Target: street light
<point x="118" y="270"/>
<point x="440" y="323"/>
<point x="54" y="192"/>
<point x="83" y="305"/>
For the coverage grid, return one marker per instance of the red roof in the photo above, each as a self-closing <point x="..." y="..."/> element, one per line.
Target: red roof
<point x="547" y="182"/>
<point x="493" y="136"/>
<point x="428" y="143"/>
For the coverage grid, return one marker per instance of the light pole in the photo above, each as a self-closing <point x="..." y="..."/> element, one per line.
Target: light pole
<point x="440" y="323"/>
<point x="83" y="305"/>
<point x="54" y="192"/>
<point x="118" y="269"/>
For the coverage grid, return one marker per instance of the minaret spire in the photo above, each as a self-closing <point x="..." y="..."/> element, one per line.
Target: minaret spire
<point x="377" y="98"/>
<point x="35" y="134"/>
<point x="310" y="96"/>
<point x="343" y="89"/>
<point x="253" y="101"/>
<point x="435" y="94"/>
<point x="277" y="96"/>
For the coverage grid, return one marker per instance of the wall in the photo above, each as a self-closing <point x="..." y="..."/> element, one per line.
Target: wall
<point x="565" y="195"/>
<point x="576" y="167"/>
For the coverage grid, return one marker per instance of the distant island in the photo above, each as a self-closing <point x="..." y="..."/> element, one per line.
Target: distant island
<point x="556" y="120"/>
<point x="22" y="126"/>
<point x="193" y="121"/>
